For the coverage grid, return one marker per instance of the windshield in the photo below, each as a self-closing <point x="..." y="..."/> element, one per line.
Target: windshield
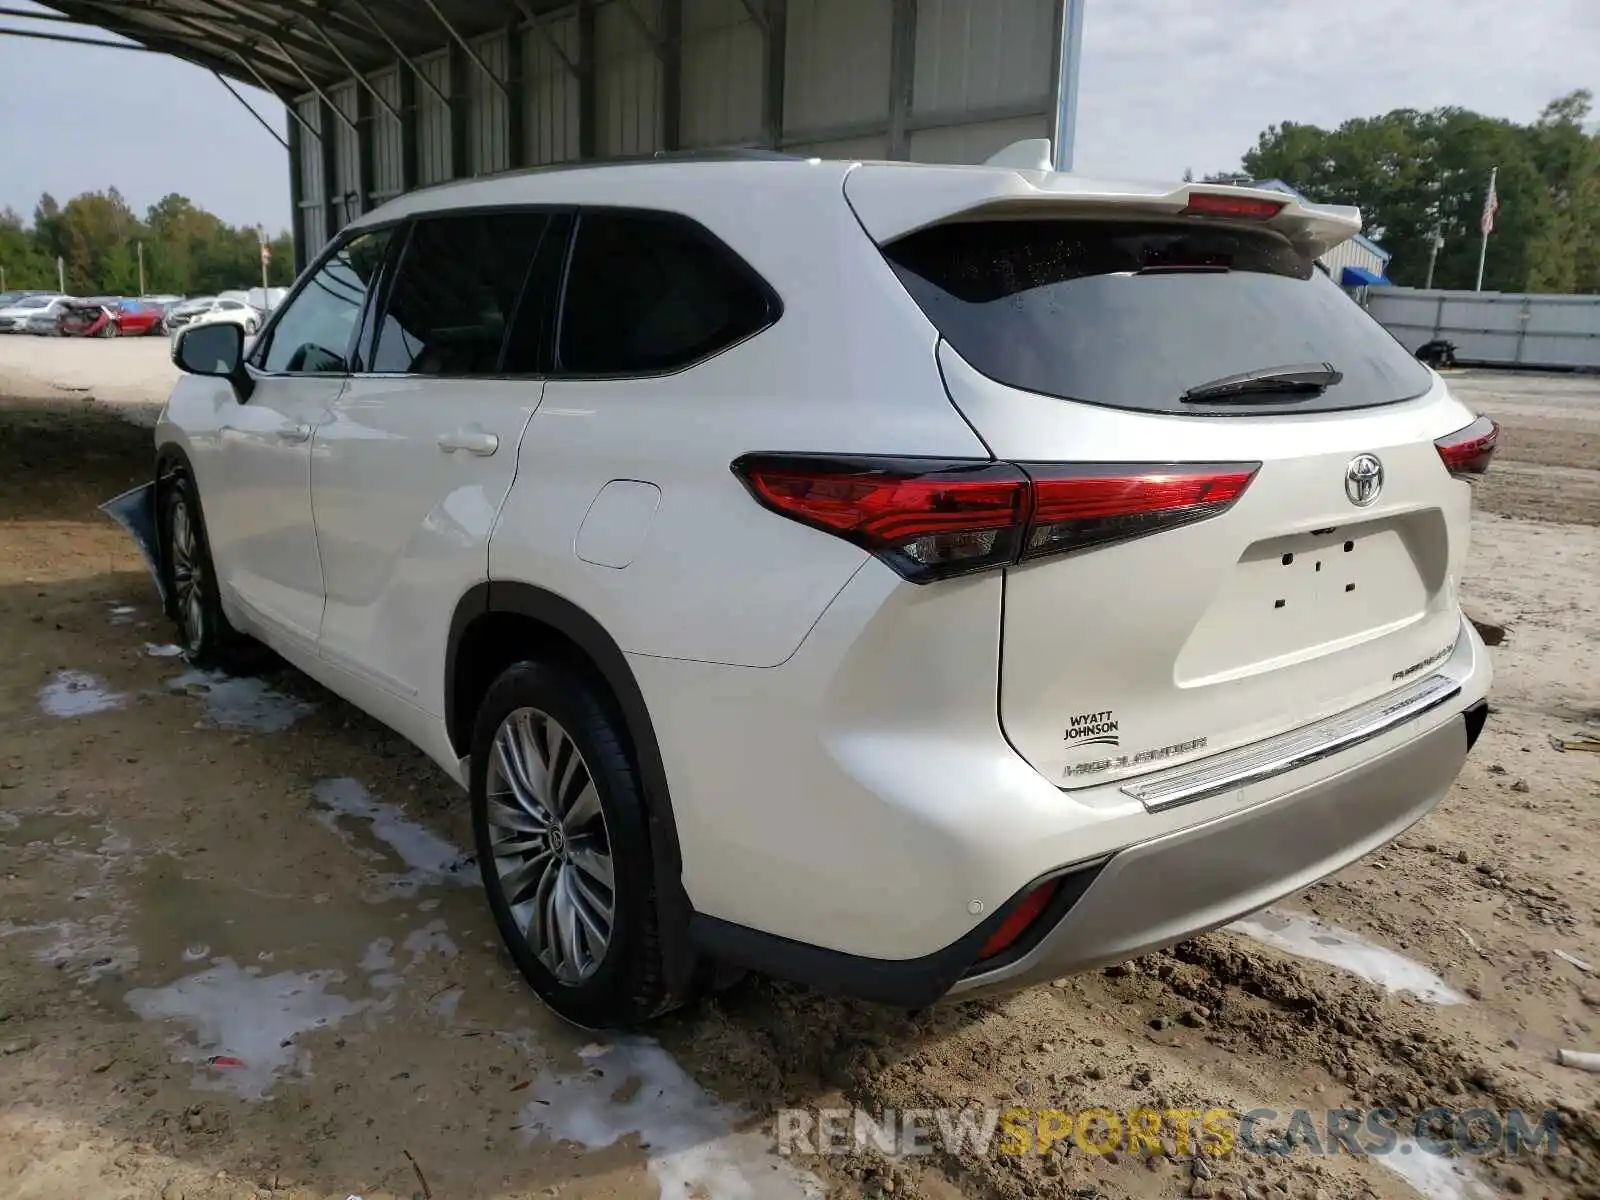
<point x="1134" y="314"/>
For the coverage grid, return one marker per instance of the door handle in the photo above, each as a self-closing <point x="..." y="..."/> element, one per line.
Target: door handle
<point x="295" y="433"/>
<point x="473" y="441"/>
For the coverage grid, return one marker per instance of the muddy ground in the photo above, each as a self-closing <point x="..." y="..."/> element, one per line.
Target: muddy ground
<point x="240" y="954"/>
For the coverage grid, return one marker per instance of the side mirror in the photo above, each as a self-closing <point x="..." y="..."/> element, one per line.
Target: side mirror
<point x="215" y="349"/>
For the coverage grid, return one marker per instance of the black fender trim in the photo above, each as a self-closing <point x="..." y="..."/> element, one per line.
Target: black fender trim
<point x="170" y="458"/>
<point x="547" y="608"/>
<point x="911" y="983"/>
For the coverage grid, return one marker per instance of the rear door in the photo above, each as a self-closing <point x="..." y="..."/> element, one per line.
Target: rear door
<point x="1253" y="526"/>
<point x="417" y="455"/>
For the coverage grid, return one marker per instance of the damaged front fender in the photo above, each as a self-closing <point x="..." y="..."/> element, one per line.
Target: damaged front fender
<point x="135" y="511"/>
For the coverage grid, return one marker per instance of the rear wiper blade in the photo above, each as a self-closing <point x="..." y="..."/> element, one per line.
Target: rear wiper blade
<point x="1306" y="378"/>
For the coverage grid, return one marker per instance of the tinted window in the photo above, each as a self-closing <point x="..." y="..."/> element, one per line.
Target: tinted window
<point x="1133" y="314"/>
<point x="313" y="333"/>
<point x="650" y="292"/>
<point x="456" y="293"/>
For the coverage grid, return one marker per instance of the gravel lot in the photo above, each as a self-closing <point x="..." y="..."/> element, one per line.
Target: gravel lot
<point x="240" y="954"/>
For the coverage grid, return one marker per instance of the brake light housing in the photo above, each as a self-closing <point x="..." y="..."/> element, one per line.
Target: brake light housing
<point x="1466" y="453"/>
<point x="1221" y="204"/>
<point x="934" y="519"/>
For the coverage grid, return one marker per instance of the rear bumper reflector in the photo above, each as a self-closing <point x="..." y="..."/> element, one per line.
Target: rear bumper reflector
<point x="1296" y="748"/>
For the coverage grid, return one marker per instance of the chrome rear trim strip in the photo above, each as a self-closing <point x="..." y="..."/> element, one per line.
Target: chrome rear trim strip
<point x="1296" y="748"/>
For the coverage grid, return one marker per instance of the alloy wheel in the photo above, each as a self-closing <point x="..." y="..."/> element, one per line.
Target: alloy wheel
<point x="550" y="845"/>
<point x="188" y="575"/>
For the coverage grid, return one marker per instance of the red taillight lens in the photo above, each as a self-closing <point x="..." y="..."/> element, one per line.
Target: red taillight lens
<point x="1019" y="920"/>
<point x="1249" y="208"/>
<point x="934" y="518"/>
<point x="928" y="518"/>
<point x="1076" y="507"/>
<point x="1467" y="451"/>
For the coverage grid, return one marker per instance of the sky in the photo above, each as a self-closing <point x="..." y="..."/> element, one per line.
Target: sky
<point x="1166" y="84"/>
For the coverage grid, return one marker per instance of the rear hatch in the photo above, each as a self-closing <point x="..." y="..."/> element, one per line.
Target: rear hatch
<point x="1259" y="530"/>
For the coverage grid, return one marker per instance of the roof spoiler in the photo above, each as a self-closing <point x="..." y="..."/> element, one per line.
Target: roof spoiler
<point x="891" y="202"/>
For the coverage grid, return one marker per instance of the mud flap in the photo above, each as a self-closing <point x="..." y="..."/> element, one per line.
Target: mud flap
<point x="135" y="511"/>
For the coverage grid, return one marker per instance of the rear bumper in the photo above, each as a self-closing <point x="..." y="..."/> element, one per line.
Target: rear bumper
<point x="1161" y="891"/>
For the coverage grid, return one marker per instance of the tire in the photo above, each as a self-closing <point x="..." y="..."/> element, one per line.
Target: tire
<point x="110" y="330"/>
<point x="195" y="603"/>
<point x="543" y="874"/>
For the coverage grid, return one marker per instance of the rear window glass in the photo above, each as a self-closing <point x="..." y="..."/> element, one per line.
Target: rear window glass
<point x="1133" y="314"/>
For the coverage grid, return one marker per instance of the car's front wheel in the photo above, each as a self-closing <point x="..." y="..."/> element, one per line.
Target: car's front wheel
<point x="564" y="849"/>
<point x="196" y="604"/>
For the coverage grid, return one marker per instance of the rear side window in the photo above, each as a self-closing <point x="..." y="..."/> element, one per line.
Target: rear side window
<point x="1134" y="314"/>
<point x="455" y="293"/>
<point x="653" y="292"/>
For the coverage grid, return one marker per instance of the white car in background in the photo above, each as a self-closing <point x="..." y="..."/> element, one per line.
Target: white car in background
<point x="906" y="579"/>
<point x="235" y="312"/>
<point x="33" y="314"/>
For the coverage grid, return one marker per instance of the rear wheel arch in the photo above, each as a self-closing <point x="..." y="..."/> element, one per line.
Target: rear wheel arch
<point x="496" y="624"/>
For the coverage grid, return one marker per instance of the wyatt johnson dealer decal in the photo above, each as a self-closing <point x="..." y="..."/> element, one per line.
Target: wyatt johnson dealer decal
<point x="1093" y="729"/>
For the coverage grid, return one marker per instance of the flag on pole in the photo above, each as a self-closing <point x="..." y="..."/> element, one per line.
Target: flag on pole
<point x="1491" y="205"/>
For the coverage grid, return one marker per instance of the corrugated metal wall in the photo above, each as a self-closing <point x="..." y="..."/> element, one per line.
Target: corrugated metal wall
<point x="1352" y="254"/>
<point x="550" y="103"/>
<point x="627" y="78"/>
<point x="930" y="80"/>
<point x="388" y="151"/>
<point x="347" y="196"/>
<point x="723" y="53"/>
<point x="488" y="126"/>
<point x="433" y="121"/>
<point x="312" y="201"/>
<point x="1494" y="328"/>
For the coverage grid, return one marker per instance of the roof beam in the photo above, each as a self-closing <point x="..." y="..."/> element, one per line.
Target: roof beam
<point x="401" y="54"/>
<point x="277" y="32"/>
<point x="466" y="49"/>
<point x="540" y="31"/>
<point x="251" y="109"/>
<point x="313" y="85"/>
<point x="162" y="40"/>
<point x="355" y="72"/>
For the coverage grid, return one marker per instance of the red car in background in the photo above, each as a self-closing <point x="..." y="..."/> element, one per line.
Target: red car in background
<point x="109" y="317"/>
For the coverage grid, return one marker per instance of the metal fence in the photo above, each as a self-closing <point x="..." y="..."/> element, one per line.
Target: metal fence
<point x="1495" y="328"/>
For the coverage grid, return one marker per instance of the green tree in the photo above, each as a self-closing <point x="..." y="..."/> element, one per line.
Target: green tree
<point x="1412" y="172"/>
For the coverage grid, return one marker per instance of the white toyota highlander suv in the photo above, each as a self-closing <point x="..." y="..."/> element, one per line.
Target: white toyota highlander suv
<point x="904" y="579"/>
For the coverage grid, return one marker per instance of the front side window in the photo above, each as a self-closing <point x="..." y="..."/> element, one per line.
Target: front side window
<point x="653" y="292"/>
<point x="456" y="293"/>
<point x="313" y="335"/>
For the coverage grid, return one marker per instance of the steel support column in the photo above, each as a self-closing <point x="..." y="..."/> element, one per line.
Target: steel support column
<point x="902" y="76"/>
<point x="332" y="201"/>
<point x="588" y="126"/>
<point x="297" y="194"/>
<point x="1064" y="128"/>
<point x="516" y="98"/>
<point x="775" y="34"/>
<point x="670" y="49"/>
<point x="366" y="133"/>
<point x="460" y="113"/>
<point x="408" y="130"/>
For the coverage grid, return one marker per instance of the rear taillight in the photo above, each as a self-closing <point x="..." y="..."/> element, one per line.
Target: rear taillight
<point x="1020" y="919"/>
<point x="1217" y="204"/>
<point x="935" y="518"/>
<point x="1467" y="452"/>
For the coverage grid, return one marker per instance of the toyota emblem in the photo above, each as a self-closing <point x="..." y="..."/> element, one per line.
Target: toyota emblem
<point x="1363" y="479"/>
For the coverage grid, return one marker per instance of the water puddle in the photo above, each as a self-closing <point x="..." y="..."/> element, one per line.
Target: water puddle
<point x="78" y="694"/>
<point x="85" y="951"/>
<point x="245" y="1024"/>
<point x="1309" y="938"/>
<point x="691" y="1139"/>
<point x="238" y="703"/>
<point x="122" y="614"/>
<point x="431" y="860"/>
<point x="168" y="650"/>
<point x="1435" y="1176"/>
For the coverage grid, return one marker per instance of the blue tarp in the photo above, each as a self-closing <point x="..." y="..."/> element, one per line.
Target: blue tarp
<point x="1360" y="277"/>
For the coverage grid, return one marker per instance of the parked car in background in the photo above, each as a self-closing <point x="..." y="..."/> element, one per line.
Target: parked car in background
<point x="15" y="315"/>
<point x="111" y="316"/>
<point x="190" y="311"/>
<point x="234" y="311"/>
<point x="7" y="299"/>
<point x="34" y="314"/>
